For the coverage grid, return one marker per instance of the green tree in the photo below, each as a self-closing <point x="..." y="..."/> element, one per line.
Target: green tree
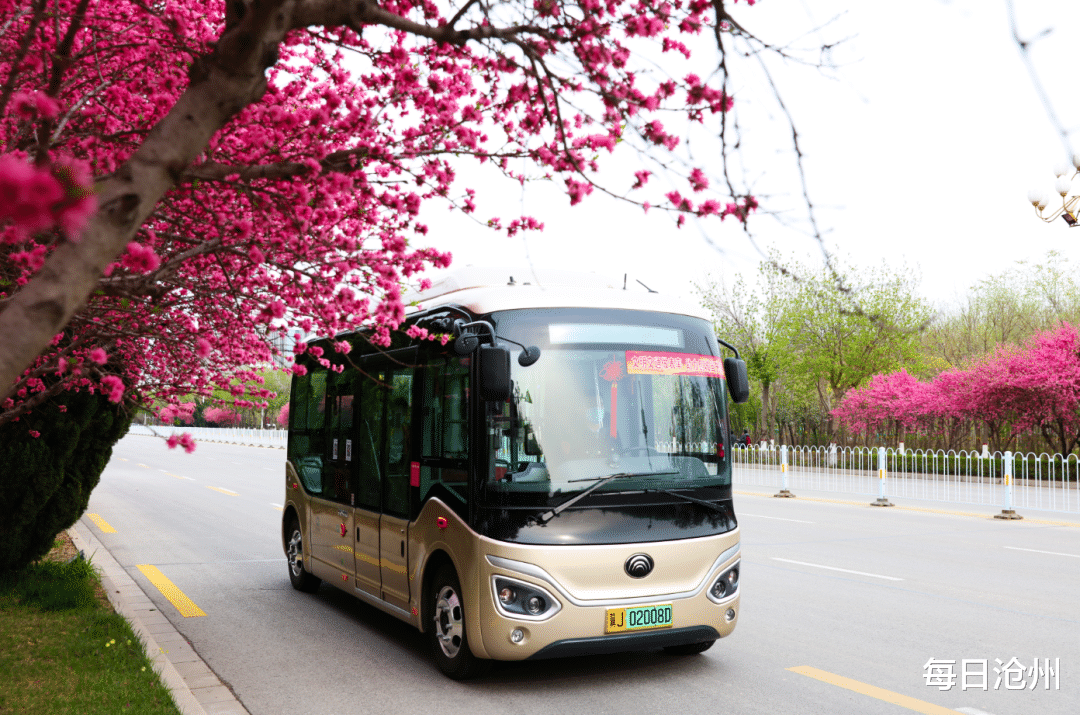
<point x="1006" y="308"/>
<point x="809" y="336"/>
<point x="843" y="325"/>
<point x="750" y="320"/>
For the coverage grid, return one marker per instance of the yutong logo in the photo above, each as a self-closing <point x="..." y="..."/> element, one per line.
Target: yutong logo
<point x="639" y="566"/>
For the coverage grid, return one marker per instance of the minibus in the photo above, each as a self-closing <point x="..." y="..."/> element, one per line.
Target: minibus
<point x="536" y="466"/>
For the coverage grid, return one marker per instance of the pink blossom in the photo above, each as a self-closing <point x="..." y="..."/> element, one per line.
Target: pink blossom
<point x="99" y="356"/>
<point x="185" y="440"/>
<point x="698" y="180"/>
<point x="140" y="258"/>
<point x="114" y="387"/>
<point x="27" y="194"/>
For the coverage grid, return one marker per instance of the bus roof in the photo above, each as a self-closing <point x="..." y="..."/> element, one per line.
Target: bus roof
<point x="484" y="290"/>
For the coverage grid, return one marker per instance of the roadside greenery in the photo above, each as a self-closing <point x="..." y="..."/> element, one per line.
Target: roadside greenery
<point x="808" y="336"/>
<point x="812" y="338"/>
<point x="217" y="408"/>
<point x="64" y="651"/>
<point x="50" y="461"/>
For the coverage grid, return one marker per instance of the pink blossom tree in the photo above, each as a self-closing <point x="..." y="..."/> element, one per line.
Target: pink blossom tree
<point x="1038" y="387"/>
<point x="221" y="417"/>
<point x="1031" y="388"/>
<point x="182" y="183"/>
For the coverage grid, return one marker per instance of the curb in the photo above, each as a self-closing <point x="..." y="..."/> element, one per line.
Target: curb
<point x="195" y="688"/>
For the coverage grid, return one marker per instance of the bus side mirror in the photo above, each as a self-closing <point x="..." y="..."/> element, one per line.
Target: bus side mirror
<point x="737" y="381"/>
<point x="494" y="364"/>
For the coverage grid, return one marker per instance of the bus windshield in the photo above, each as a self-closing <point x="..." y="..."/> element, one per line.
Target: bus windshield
<point x="618" y="394"/>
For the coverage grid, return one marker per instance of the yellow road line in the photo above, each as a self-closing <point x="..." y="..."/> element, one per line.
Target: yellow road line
<point x="919" y="706"/>
<point x="168" y="589"/>
<point x="122" y="459"/>
<point x="106" y="527"/>
<point x="142" y="465"/>
<point x="225" y="491"/>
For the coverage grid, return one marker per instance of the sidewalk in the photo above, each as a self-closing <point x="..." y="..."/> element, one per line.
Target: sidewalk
<point x="194" y="687"/>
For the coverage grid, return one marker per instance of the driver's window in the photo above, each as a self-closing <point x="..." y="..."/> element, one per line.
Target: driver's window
<point x="445" y="429"/>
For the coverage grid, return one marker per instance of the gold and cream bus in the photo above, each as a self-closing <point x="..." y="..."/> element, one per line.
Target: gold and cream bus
<point x="552" y="478"/>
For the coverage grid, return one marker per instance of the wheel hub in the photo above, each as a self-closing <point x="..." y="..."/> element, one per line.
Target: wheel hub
<point x="448" y="621"/>
<point x="296" y="553"/>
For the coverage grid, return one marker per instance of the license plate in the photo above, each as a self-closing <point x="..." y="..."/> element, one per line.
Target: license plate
<point x="638" y="618"/>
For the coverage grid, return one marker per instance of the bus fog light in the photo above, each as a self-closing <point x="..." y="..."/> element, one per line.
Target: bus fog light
<point x="517" y="635"/>
<point x="730" y="615"/>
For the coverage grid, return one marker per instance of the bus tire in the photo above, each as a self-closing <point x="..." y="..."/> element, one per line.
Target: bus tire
<point x="689" y="648"/>
<point x="449" y="641"/>
<point x="300" y="577"/>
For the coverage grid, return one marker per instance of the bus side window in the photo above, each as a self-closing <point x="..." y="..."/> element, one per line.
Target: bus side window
<point x="307" y="441"/>
<point x="445" y="433"/>
<point x="369" y="433"/>
<point x="398" y="447"/>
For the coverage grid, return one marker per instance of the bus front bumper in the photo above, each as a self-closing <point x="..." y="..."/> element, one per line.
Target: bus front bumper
<point x="578" y="627"/>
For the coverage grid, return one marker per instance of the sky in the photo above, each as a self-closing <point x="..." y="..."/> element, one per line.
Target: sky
<point x="920" y="146"/>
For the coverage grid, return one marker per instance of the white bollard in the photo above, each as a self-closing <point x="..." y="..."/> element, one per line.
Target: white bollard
<point x="1007" y="469"/>
<point x="882" y="500"/>
<point x="784" y="493"/>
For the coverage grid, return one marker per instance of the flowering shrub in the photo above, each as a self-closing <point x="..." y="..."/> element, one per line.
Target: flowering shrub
<point x="221" y="417"/>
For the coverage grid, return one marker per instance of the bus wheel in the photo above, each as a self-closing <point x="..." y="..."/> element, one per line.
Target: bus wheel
<point x="449" y="643"/>
<point x="301" y="579"/>
<point x="689" y="648"/>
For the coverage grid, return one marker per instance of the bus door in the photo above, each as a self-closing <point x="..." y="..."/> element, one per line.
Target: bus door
<point x="331" y="516"/>
<point x="394" y="522"/>
<point x="368" y="452"/>
<point x="383" y="453"/>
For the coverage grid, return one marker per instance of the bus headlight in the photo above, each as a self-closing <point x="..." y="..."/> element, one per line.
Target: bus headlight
<point x="726" y="584"/>
<point x="523" y="600"/>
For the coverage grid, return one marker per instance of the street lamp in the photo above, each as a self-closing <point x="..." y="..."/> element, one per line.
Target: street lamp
<point x="1070" y="205"/>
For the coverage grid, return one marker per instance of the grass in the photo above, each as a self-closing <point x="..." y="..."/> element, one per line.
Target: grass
<point x="63" y="650"/>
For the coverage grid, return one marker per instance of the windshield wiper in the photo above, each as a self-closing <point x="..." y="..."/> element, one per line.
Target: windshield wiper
<point x="552" y="513"/>
<point x="695" y="500"/>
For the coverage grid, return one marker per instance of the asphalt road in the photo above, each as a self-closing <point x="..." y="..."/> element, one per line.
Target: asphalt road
<point x="859" y="599"/>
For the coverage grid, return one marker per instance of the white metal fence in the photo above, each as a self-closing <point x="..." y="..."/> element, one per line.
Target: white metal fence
<point x="275" y="438"/>
<point x="1043" y="482"/>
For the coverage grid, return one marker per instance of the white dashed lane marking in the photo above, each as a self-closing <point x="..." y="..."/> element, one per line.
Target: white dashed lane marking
<point x="834" y="568"/>
<point x="1037" y="551"/>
